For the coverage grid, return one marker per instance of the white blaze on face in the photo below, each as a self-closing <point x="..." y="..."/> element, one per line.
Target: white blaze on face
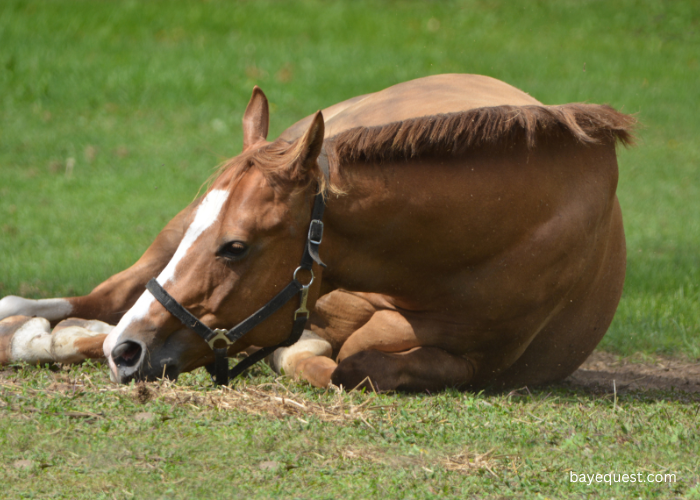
<point x="207" y="213"/>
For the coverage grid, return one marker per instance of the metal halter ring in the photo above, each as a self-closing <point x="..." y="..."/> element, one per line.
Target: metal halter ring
<point x="312" y="276"/>
<point x="220" y="335"/>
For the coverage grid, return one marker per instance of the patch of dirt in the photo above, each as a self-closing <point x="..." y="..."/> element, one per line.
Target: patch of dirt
<point x="142" y="393"/>
<point x="637" y="373"/>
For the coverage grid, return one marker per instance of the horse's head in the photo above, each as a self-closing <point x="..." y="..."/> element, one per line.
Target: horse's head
<point x="245" y="238"/>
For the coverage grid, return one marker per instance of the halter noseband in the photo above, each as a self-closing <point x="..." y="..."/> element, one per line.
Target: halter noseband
<point x="220" y="370"/>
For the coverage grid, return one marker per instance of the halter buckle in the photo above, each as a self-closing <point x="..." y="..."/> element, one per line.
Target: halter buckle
<point x="315" y="232"/>
<point x="220" y="335"/>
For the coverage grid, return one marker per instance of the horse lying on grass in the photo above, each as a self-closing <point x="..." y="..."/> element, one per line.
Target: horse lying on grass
<point x="472" y="237"/>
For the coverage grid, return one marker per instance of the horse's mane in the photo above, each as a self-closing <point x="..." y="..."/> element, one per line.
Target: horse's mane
<point x="454" y="133"/>
<point x="450" y="134"/>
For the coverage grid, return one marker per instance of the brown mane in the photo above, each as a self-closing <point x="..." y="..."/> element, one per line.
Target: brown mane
<point x="454" y="133"/>
<point x="450" y="134"/>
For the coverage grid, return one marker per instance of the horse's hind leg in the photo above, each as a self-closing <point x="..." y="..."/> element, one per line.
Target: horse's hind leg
<point x="111" y="299"/>
<point x="30" y="340"/>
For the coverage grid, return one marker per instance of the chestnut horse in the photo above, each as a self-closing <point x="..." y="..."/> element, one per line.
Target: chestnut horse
<point x="473" y="238"/>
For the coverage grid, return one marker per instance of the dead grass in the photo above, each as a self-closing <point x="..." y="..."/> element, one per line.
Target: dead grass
<point x="464" y="462"/>
<point x="467" y="462"/>
<point x="274" y="399"/>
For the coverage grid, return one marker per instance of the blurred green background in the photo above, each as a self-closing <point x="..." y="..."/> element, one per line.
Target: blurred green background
<point x="112" y="114"/>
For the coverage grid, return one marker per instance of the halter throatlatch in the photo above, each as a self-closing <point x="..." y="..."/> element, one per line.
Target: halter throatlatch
<point x="219" y="340"/>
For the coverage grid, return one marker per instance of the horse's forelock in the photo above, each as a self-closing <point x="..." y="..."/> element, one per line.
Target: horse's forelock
<point x="277" y="161"/>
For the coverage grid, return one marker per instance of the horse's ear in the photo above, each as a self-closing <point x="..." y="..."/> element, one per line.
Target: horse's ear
<point x="256" y="119"/>
<point x="310" y="145"/>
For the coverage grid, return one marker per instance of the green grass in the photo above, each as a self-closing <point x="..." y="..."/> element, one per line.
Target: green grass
<point x="143" y="99"/>
<point x="98" y="441"/>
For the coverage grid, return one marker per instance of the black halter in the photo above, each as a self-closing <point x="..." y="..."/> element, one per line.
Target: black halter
<point x="224" y="338"/>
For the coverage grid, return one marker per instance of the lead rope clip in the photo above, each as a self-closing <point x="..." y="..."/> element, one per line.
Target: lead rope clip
<point x="304" y="295"/>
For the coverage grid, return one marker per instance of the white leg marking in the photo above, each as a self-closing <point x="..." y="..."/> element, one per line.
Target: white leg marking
<point x="63" y="339"/>
<point x="283" y="359"/>
<point x="32" y="342"/>
<point x="51" y="309"/>
<point x="93" y="325"/>
<point x="207" y="213"/>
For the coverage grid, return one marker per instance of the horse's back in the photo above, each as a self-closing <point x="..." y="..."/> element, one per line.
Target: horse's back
<point x="432" y="95"/>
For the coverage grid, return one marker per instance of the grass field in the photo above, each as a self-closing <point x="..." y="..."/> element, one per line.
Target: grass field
<point x="112" y="114"/>
<point x="74" y="435"/>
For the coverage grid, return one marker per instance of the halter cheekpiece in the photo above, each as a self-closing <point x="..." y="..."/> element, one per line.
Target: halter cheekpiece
<point x="219" y="339"/>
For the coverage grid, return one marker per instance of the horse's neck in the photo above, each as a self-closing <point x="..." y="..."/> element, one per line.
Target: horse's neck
<point x="363" y="225"/>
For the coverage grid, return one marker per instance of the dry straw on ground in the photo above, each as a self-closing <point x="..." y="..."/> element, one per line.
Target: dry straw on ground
<point x="273" y="399"/>
<point x="277" y="399"/>
<point x="464" y="462"/>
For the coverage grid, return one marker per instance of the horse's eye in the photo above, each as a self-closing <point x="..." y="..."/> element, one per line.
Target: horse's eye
<point x="233" y="250"/>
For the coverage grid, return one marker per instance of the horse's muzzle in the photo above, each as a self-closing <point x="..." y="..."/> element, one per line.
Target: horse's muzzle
<point x="132" y="363"/>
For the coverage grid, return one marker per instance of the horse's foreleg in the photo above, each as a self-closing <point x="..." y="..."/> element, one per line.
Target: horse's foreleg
<point x="308" y="359"/>
<point x="31" y="340"/>
<point x="377" y="346"/>
<point x="390" y="353"/>
<point x="417" y="370"/>
<point x="110" y="300"/>
<point x="337" y="316"/>
<point x="317" y="370"/>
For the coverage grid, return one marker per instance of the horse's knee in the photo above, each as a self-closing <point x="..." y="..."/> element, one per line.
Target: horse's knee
<point x="8" y="327"/>
<point x="386" y="331"/>
<point x="338" y="314"/>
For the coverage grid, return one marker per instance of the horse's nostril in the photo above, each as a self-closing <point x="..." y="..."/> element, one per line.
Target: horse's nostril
<point x="127" y="354"/>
